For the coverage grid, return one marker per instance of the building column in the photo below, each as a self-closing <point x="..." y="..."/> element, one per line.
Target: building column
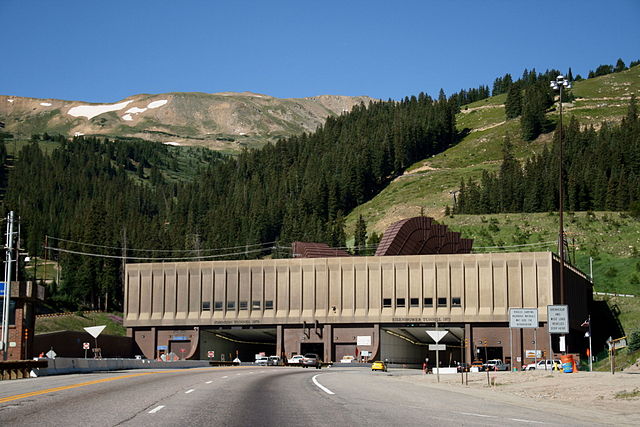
<point x="327" y="338"/>
<point x="279" y="340"/>
<point x="468" y="339"/>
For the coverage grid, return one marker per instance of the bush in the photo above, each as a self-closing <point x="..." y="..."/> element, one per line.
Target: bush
<point x="634" y="341"/>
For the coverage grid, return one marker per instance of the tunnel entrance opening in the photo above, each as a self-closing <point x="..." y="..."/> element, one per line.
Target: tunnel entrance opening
<point x="409" y="345"/>
<point x="242" y="342"/>
<point x="309" y="347"/>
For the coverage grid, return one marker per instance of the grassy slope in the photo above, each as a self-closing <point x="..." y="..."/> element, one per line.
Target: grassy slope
<point x="78" y="321"/>
<point x="427" y="183"/>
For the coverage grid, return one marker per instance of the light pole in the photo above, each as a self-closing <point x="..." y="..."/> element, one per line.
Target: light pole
<point x="558" y="84"/>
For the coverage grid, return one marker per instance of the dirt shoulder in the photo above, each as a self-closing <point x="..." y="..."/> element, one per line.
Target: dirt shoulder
<point x="597" y="397"/>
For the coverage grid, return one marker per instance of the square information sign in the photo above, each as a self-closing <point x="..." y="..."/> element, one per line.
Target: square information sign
<point x="558" y="316"/>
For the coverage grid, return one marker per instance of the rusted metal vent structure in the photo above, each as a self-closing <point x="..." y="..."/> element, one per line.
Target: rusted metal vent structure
<point x="316" y="250"/>
<point x="421" y="236"/>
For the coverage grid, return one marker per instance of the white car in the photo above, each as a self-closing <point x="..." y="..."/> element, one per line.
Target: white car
<point x="295" y="360"/>
<point x="262" y="360"/>
<point x="541" y="365"/>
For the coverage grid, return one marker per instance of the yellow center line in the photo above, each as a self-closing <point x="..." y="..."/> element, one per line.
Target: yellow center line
<point x="104" y="380"/>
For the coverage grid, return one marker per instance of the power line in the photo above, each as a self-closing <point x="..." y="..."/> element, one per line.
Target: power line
<point x="194" y="258"/>
<point x="159" y="250"/>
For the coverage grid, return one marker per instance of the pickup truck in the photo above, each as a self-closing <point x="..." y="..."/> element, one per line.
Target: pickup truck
<point x="541" y="365"/>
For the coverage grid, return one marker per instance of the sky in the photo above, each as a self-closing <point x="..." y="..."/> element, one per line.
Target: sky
<point x="104" y="51"/>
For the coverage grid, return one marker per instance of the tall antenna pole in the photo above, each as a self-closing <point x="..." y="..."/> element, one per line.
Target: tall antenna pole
<point x="7" y="288"/>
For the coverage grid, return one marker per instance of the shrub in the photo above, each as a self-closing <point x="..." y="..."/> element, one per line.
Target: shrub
<point x="634" y="341"/>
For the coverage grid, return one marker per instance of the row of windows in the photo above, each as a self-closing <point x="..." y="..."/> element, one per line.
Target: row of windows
<point x="386" y="303"/>
<point x="415" y="302"/>
<point x="231" y="305"/>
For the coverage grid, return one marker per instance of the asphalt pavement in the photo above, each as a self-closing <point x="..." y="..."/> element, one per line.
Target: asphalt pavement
<point x="252" y="396"/>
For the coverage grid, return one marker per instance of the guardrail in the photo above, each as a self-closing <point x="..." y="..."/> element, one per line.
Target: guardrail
<point x="68" y="365"/>
<point x="614" y="295"/>
<point x="16" y="369"/>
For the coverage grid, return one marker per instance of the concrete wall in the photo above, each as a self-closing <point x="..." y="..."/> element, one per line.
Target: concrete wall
<point x="338" y="290"/>
<point x="69" y="344"/>
<point x="64" y="365"/>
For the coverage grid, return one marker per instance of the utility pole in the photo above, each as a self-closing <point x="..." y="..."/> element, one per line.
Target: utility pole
<point x="7" y="287"/>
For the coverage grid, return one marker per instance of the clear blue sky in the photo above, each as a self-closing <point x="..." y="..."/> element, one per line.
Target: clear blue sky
<point x="103" y="51"/>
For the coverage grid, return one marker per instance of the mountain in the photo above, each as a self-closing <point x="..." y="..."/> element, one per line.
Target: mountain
<point x="222" y="121"/>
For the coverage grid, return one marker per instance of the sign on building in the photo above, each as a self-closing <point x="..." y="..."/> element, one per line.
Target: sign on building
<point x="558" y="316"/>
<point x="364" y="340"/>
<point x="436" y="347"/>
<point x="523" y="317"/>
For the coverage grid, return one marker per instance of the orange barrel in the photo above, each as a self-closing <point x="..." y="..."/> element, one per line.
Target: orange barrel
<point x="568" y="364"/>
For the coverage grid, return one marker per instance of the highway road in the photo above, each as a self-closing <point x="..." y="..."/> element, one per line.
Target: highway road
<point x="252" y="396"/>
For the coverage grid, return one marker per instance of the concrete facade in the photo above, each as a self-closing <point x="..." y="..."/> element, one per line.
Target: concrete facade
<point x="325" y="304"/>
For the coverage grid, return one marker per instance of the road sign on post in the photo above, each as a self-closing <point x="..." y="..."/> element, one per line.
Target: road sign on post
<point x="211" y="354"/>
<point x="558" y="319"/>
<point x="523" y="317"/>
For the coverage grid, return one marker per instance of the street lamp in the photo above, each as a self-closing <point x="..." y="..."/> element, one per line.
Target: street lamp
<point x="558" y="84"/>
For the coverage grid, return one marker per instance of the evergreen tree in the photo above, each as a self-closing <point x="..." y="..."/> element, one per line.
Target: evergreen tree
<point x="360" y="236"/>
<point x="513" y="103"/>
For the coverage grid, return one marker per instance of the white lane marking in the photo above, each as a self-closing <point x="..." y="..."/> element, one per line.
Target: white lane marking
<point x="320" y="386"/>
<point x="478" y="415"/>
<point x="226" y="376"/>
<point x="156" y="409"/>
<point x="251" y="372"/>
<point x="527" y="421"/>
<point x="189" y="391"/>
<point x="238" y="374"/>
<point x="208" y="382"/>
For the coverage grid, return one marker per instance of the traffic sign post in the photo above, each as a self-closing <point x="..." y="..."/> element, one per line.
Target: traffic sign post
<point x="558" y="323"/>
<point x="437" y="335"/>
<point x="522" y="318"/>
<point x="85" y="346"/>
<point x="211" y="354"/>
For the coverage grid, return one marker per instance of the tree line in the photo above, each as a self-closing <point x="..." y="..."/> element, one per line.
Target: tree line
<point x="601" y="171"/>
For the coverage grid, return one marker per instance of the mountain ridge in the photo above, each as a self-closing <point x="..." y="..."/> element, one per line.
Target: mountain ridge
<point x="226" y="121"/>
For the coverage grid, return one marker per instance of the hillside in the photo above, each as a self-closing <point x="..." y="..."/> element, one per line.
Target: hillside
<point x="222" y="121"/>
<point x="428" y="184"/>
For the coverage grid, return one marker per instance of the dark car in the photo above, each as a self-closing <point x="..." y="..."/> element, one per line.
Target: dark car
<point x="311" y="359"/>
<point x="463" y="367"/>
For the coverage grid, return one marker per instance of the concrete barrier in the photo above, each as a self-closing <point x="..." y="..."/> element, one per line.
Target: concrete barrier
<point x="68" y="365"/>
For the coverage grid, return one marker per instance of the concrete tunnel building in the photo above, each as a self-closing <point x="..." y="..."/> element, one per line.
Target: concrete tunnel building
<point x="375" y="307"/>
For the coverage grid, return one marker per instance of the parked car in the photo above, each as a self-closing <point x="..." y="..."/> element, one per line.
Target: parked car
<point x="311" y="359"/>
<point x="379" y="366"/>
<point x="273" y="361"/>
<point x="541" y="365"/>
<point x="477" y="364"/>
<point x="295" y="360"/>
<point x="261" y="360"/>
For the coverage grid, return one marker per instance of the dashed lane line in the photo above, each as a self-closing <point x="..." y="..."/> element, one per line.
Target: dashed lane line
<point x="208" y="382"/>
<point x="510" y="419"/>
<point x="320" y="386"/>
<point x="103" y="380"/>
<point x="191" y="390"/>
<point x="156" y="409"/>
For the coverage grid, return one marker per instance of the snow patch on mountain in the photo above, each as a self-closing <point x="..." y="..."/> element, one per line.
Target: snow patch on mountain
<point x="90" y="111"/>
<point x="156" y="104"/>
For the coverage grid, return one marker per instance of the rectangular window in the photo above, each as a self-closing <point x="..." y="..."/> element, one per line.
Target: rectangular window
<point x="231" y="305"/>
<point x="386" y="302"/>
<point x="442" y="302"/>
<point x="244" y="305"/>
<point x="428" y="302"/>
<point x="414" y="302"/>
<point x="400" y="302"/>
<point x="268" y="305"/>
<point x="255" y="305"/>
<point x="456" y="302"/>
<point x="217" y="306"/>
<point x="206" y="305"/>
